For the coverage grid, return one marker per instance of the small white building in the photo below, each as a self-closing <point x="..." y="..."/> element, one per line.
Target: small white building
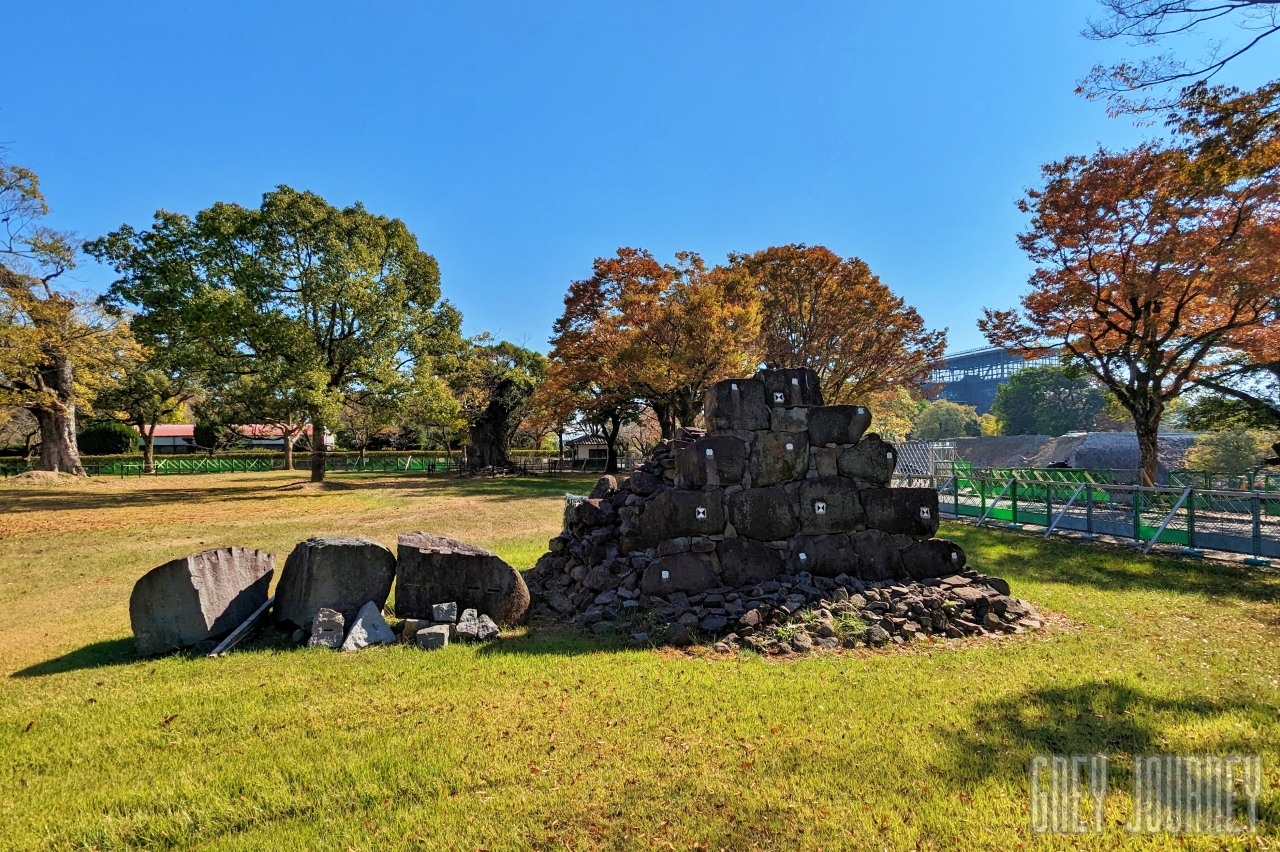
<point x="587" y="448"/>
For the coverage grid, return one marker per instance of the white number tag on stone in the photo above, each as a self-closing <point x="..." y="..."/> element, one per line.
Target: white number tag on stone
<point x="791" y="447"/>
<point x="803" y="556"/>
<point x="819" y="508"/>
<point x="733" y="386"/>
<point x="666" y="575"/>
<point x="795" y="382"/>
<point x="888" y="455"/>
<point x="700" y="513"/>
<point x="924" y="513"/>
<point x="955" y="557"/>
<point x="710" y="453"/>
<point x="777" y="397"/>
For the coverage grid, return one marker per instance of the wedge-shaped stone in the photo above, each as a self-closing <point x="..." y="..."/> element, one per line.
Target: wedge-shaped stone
<point x="823" y="555"/>
<point x="763" y="514"/>
<point x="779" y="457"/>
<point x="871" y="461"/>
<point x="370" y="628"/>
<point x="838" y="424"/>
<point x="744" y="562"/>
<point x="431" y="569"/>
<point x="691" y="573"/>
<point x="830" y="504"/>
<point x="202" y="596"/>
<point x="675" y="513"/>
<point x="341" y="574"/>
<point x="791" y="388"/>
<point x="878" y="556"/>
<point x="715" y="460"/>
<point x="935" y="557"/>
<point x="906" y="511"/>
<point x="736" y="404"/>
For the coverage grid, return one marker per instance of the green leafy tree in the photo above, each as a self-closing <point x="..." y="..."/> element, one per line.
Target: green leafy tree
<point x="1230" y="451"/>
<point x="495" y="386"/>
<point x="945" y="419"/>
<point x="146" y="395"/>
<point x="323" y="303"/>
<point x="1047" y="401"/>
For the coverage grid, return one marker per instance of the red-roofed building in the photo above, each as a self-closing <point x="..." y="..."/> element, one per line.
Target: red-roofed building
<point x="181" y="437"/>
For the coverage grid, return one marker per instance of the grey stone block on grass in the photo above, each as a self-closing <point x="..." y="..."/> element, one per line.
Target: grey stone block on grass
<point x="337" y="573"/>
<point x="433" y="637"/>
<point x="327" y="629"/>
<point x="202" y="596"/>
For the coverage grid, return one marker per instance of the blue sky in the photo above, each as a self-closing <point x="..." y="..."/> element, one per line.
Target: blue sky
<point x="521" y="140"/>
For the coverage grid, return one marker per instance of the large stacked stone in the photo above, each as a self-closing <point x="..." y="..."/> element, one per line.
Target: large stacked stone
<point x="782" y="505"/>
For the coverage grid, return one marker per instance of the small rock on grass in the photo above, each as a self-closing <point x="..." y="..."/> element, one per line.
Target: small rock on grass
<point x="444" y="612"/>
<point x="433" y="637"/>
<point x="487" y="629"/>
<point x="468" y="626"/>
<point x="370" y="628"/>
<point x="678" y="635"/>
<point x="326" y="629"/>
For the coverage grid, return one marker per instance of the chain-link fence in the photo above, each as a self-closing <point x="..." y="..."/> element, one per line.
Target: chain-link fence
<point x="1186" y="517"/>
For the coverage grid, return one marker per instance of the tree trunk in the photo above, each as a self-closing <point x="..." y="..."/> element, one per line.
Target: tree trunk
<point x="687" y="408"/>
<point x="288" y="452"/>
<point x="149" y="449"/>
<point x="488" y="438"/>
<point x="1148" y="429"/>
<point x="611" y="441"/>
<point x="317" y="449"/>
<point x="57" y="419"/>
<point x="662" y="410"/>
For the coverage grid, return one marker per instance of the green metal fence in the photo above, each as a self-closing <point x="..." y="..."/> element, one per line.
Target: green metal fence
<point x="429" y="464"/>
<point x="1246" y="522"/>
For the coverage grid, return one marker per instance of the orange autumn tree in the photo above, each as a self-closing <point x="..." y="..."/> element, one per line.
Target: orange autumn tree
<point x="639" y="331"/>
<point x="686" y="327"/>
<point x="585" y="377"/>
<point x="1146" y="268"/>
<point x="834" y="315"/>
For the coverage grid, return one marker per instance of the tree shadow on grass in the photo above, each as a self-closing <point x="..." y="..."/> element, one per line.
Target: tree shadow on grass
<point x="1094" y="717"/>
<point x="112" y="652"/>
<point x="1109" y="567"/>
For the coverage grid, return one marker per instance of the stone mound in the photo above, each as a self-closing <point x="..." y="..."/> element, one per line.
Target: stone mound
<point x="777" y="520"/>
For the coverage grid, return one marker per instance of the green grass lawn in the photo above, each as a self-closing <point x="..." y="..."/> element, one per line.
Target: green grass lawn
<point x="551" y="740"/>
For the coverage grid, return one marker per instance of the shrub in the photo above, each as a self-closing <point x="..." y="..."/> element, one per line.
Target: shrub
<point x="107" y="438"/>
<point x="946" y="419"/>
<point x="1232" y="451"/>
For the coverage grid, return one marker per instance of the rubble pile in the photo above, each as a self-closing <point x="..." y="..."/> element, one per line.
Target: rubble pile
<point x="775" y="528"/>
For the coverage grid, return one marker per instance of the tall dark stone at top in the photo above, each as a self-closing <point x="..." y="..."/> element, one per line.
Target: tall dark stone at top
<point x="736" y="404"/>
<point x="791" y="388"/>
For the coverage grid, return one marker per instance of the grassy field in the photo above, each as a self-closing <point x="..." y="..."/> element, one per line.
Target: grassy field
<point x="552" y="741"/>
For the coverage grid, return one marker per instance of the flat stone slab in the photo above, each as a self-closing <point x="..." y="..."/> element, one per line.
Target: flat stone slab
<point x="830" y="504"/>
<point x="370" y="628"/>
<point x="691" y="573"/>
<point x="432" y="568"/>
<point x="779" y="457"/>
<point x="342" y="574"/>
<point x="763" y="514"/>
<point x="905" y="511"/>
<point x="675" y="513"/>
<point x="743" y="561"/>
<point x="823" y="556"/>
<point x="202" y="596"/>
<point x="935" y="557"/>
